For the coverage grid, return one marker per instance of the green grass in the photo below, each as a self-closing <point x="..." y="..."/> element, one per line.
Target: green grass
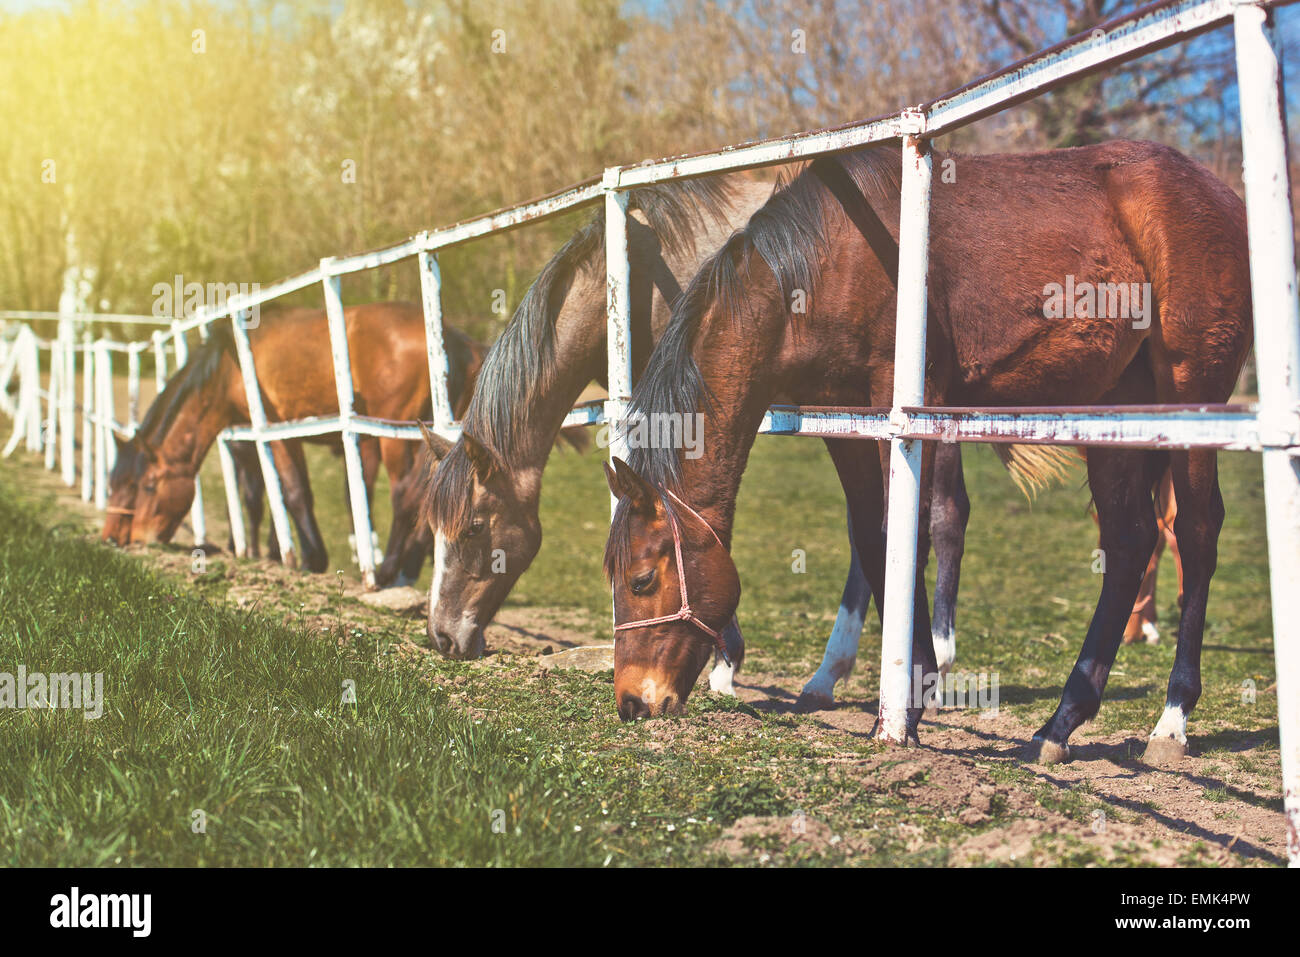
<point x="225" y="713"/>
<point x="412" y="773"/>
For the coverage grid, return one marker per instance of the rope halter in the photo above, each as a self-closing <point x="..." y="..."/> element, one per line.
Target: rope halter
<point x="685" y="613"/>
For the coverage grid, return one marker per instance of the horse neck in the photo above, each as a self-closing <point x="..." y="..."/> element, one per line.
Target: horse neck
<point x="199" y="420"/>
<point x="741" y="361"/>
<point x="579" y="349"/>
<point x="580" y="325"/>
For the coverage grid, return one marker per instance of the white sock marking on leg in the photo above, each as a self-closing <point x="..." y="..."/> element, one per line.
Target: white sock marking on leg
<point x="1172" y="724"/>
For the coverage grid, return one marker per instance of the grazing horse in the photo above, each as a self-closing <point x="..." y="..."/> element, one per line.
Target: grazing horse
<point x="1011" y="231"/>
<point x="481" y="502"/>
<point x="480" y="496"/>
<point x="152" y="485"/>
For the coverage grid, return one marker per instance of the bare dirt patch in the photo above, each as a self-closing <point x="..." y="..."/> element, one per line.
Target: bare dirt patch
<point x="968" y="762"/>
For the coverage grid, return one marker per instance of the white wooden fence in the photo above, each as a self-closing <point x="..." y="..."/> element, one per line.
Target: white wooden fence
<point x="1272" y="427"/>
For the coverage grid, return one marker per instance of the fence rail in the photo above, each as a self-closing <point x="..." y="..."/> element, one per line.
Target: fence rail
<point x="1271" y="427"/>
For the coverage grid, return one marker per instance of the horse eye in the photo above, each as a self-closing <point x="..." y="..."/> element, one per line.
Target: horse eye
<point x="642" y="582"/>
<point x="475" y="528"/>
<point x="150" y="489"/>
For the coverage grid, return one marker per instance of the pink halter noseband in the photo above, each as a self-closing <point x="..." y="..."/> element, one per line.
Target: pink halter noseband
<point x="684" y="613"/>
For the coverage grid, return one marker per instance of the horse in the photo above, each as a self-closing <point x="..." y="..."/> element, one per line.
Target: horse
<point x="480" y="495"/>
<point x="152" y="484"/>
<point x="1004" y="239"/>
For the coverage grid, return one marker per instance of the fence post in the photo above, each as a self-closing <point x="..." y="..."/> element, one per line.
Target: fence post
<point x="31" y="388"/>
<point x="896" y="680"/>
<point x="68" y="402"/>
<point x="198" y="520"/>
<point x="159" y="361"/>
<point x="431" y="295"/>
<point x="618" y="327"/>
<point x="103" y="420"/>
<point x="231" y="482"/>
<point x="8" y="367"/>
<point x="24" y="361"/>
<point x="1277" y="329"/>
<point x="351" y="440"/>
<point x="87" y="417"/>
<point x="133" y="387"/>
<point x="257" y="416"/>
<point x="52" y="404"/>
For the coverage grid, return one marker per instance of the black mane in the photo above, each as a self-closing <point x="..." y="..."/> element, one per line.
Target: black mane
<point x="204" y="361"/>
<point x="522" y="361"/>
<point x="790" y="234"/>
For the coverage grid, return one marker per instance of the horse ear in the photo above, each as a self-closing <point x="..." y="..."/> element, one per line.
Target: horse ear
<point x="484" y="462"/>
<point x="438" y="446"/>
<point x="625" y="483"/>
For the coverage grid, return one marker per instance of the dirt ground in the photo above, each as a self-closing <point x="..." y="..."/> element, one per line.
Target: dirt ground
<point x="1234" y="810"/>
<point x="1230" y="806"/>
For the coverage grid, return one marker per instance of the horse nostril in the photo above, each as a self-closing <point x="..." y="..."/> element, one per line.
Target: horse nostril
<point x="630" y="708"/>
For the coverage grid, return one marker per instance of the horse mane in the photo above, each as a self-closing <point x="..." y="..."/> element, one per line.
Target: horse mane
<point x="522" y="361"/>
<point x="790" y="233"/>
<point x="204" y="361"/>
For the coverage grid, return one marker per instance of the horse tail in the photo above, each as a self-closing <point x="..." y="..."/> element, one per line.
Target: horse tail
<point x="1036" y="467"/>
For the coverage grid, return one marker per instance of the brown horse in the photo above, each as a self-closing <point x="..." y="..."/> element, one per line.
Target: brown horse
<point x="1008" y="231"/>
<point x="481" y="502"/>
<point x="152" y="485"/>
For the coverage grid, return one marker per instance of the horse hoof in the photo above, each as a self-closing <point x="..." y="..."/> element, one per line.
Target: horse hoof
<point x="811" y="701"/>
<point x="1164" y="751"/>
<point x="1151" y="632"/>
<point x="1042" y="751"/>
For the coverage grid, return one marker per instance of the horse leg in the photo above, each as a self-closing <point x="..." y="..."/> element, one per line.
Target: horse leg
<point x="252" y="486"/>
<point x="1121" y="482"/>
<point x="720" y="678"/>
<point x="1142" y="623"/>
<point x="292" y="466"/>
<point x="949" y="515"/>
<point x="1166" y="514"/>
<point x="860" y="478"/>
<point x="1142" y="620"/>
<point x="842" y="646"/>
<point x="1196" y="526"/>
